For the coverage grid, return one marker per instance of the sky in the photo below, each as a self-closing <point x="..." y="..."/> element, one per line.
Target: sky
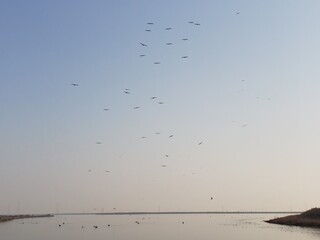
<point x="248" y="92"/>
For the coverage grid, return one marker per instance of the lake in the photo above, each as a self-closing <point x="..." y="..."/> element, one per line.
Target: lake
<point x="156" y="227"/>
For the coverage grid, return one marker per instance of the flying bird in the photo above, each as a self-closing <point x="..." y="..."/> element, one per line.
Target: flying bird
<point x="150" y="23"/>
<point x="167" y="155"/>
<point x="191" y="22"/>
<point x="169" y="28"/>
<point x="169" y="43"/>
<point x="211" y="198"/>
<point x="184" y="56"/>
<point x="237" y="13"/>
<point x="142" y="55"/>
<point x="244" y="125"/>
<point x="107" y="171"/>
<point x="156" y="63"/>
<point x="142" y="44"/>
<point x="185" y="39"/>
<point x="143" y="137"/>
<point x="106" y="109"/>
<point x="157" y="133"/>
<point x="75" y="84"/>
<point x="161" y="102"/>
<point x="153" y="97"/>
<point x="136" y="107"/>
<point x="148" y="30"/>
<point x="200" y="143"/>
<point x="170" y="136"/>
<point x="89" y="170"/>
<point x="98" y="142"/>
<point x="198" y="24"/>
<point x="126" y="92"/>
<point x="163" y="165"/>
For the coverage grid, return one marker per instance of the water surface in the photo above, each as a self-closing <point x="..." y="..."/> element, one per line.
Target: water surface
<point x="156" y="227"/>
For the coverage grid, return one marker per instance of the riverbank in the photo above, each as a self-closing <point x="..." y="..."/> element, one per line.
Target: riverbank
<point x="310" y="218"/>
<point x="5" y="218"/>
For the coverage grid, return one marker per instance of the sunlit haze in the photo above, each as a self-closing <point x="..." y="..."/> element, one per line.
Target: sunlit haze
<point x="235" y="116"/>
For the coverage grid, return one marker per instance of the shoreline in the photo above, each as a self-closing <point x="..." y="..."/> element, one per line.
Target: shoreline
<point x="310" y="218"/>
<point x="5" y="218"/>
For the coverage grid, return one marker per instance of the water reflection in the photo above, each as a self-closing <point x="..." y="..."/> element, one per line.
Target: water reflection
<point x="140" y="227"/>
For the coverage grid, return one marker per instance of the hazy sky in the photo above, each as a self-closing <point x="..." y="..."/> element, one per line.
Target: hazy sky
<point x="249" y="91"/>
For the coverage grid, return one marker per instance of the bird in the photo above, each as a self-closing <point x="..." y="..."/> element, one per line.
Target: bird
<point x="98" y="142"/>
<point x="211" y="198"/>
<point x="143" y="44"/>
<point x="75" y="84"/>
<point x="106" y="109"/>
<point x="126" y="92"/>
<point x="170" y="136"/>
<point x="168" y="28"/>
<point x="184" y="56"/>
<point x="150" y="23"/>
<point x="142" y="55"/>
<point x="95" y="227"/>
<point x="200" y="143"/>
<point x="191" y="22"/>
<point x="143" y="137"/>
<point x="197" y="24"/>
<point x="107" y="171"/>
<point x="244" y="125"/>
<point x="237" y="13"/>
<point x="148" y="30"/>
<point x="136" y="107"/>
<point x="167" y="155"/>
<point x="157" y="133"/>
<point x="169" y="43"/>
<point x="185" y="39"/>
<point x="163" y="165"/>
<point x="156" y="63"/>
<point x="161" y="102"/>
<point x="89" y="170"/>
<point x="153" y="97"/>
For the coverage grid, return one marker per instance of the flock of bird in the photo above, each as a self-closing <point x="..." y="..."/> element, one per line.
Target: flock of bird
<point x="127" y="91"/>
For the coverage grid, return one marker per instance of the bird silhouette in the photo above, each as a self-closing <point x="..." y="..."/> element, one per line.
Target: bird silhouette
<point x="143" y="44"/>
<point x="185" y="39"/>
<point x="148" y="30"/>
<point x="153" y="97"/>
<point x="211" y="198"/>
<point x="142" y="55"/>
<point x="169" y="43"/>
<point x="98" y="143"/>
<point x="200" y="143"/>
<point x="150" y="23"/>
<point x="184" y="56"/>
<point x="163" y="165"/>
<point x="126" y="92"/>
<point x="106" y="109"/>
<point x="161" y="102"/>
<point x="191" y="22"/>
<point x="156" y="63"/>
<point x="136" y="107"/>
<point x="197" y="24"/>
<point x="75" y="84"/>
<point x="244" y="125"/>
<point x="169" y="28"/>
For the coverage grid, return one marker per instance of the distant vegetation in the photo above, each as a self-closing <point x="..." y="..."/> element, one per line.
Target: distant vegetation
<point x="5" y="218"/>
<point x="310" y="218"/>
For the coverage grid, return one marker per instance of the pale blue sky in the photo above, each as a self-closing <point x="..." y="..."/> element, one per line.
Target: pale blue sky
<point x="49" y="129"/>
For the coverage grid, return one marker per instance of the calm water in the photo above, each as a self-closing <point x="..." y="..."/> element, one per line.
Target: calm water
<point x="237" y="226"/>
